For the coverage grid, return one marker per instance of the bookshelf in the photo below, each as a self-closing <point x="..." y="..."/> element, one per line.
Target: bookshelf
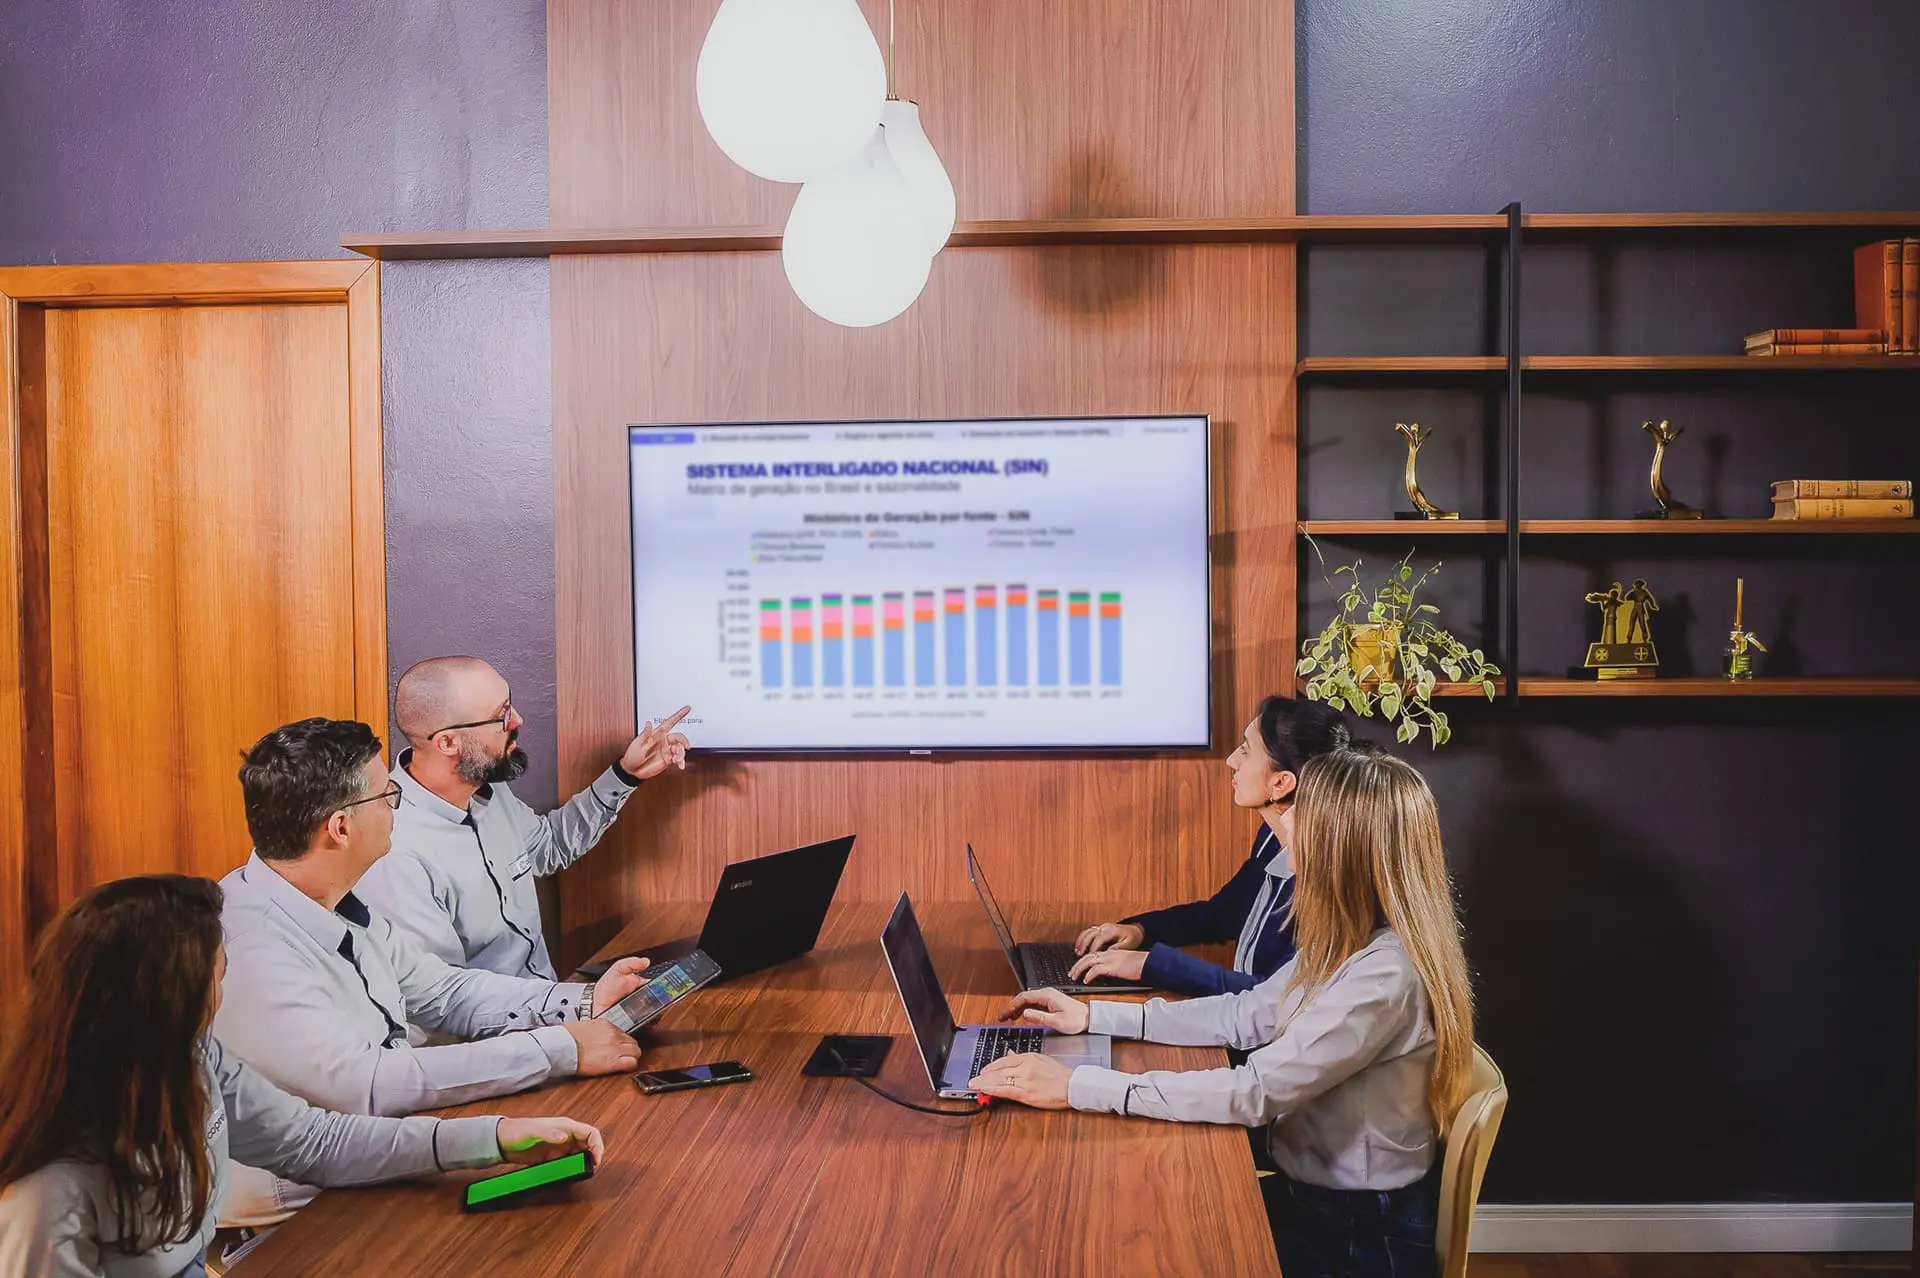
<point x="1518" y="230"/>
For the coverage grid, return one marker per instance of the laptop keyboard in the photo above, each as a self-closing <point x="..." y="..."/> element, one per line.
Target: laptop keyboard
<point x="997" y="1041"/>
<point x="1050" y="964"/>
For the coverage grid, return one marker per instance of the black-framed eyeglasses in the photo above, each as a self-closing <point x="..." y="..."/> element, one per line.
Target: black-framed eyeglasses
<point x="391" y="794"/>
<point x="503" y="719"/>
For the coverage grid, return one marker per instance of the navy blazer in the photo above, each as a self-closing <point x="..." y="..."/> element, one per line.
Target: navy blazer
<point x="1221" y="918"/>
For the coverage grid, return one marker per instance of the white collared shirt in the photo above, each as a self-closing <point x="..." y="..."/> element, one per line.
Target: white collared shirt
<point x="1342" y="1087"/>
<point x="459" y="883"/>
<point x="319" y="1001"/>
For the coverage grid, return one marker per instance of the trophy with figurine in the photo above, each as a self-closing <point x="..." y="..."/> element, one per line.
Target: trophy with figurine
<point x="1625" y="648"/>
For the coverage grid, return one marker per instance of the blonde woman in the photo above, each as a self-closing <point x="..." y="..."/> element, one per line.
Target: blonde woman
<point x="1361" y="1045"/>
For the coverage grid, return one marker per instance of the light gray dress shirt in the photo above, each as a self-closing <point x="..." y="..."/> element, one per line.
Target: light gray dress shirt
<point x="319" y="1001"/>
<point x="60" y="1222"/>
<point x="1342" y="1082"/>
<point x="460" y="883"/>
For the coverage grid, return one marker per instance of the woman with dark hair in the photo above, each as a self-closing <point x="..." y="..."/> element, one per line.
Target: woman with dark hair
<point x="120" y="1110"/>
<point x="1254" y="908"/>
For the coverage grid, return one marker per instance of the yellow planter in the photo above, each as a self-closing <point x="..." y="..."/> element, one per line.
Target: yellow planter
<point x="1374" y="652"/>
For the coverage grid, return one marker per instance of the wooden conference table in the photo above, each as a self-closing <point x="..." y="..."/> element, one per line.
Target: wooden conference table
<point x="798" y="1175"/>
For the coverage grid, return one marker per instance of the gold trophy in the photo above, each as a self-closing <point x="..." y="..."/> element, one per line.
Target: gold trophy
<point x="1668" y="508"/>
<point x="1625" y="649"/>
<point x="1737" y="662"/>
<point x="1422" y="508"/>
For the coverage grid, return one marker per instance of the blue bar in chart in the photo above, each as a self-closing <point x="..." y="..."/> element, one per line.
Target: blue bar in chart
<point x="1047" y="640"/>
<point x="770" y="643"/>
<point x="863" y="641"/>
<point x="895" y="630"/>
<point x="986" y="648"/>
<point x="1110" y="638"/>
<point x="1016" y="635"/>
<point x="1079" y="639"/>
<point x="923" y="638"/>
<point x="802" y="620"/>
<point x="956" y="637"/>
<point x="833" y="644"/>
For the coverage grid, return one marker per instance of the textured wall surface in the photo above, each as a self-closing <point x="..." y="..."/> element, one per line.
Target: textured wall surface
<point x="184" y="130"/>
<point x="1692" y="922"/>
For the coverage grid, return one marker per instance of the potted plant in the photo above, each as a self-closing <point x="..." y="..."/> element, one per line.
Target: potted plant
<point x="1385" y="646"/>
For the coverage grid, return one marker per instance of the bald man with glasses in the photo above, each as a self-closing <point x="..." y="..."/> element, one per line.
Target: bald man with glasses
<point x="466" y="850"/>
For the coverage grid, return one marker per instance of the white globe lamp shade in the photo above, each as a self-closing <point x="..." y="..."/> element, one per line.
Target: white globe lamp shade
<point x="926" y="177"/>
<point x="855" y="248"/>
<point x="790" y="89"/>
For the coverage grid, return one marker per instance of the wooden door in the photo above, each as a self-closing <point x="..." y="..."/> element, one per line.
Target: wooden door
<point x="198" y="554"/>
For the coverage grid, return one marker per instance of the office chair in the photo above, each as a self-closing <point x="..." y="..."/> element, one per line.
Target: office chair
<point x="1469" y="1143"/>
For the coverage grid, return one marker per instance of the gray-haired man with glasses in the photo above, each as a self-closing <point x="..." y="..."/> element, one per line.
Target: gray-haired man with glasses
<point x="466" y="849"/>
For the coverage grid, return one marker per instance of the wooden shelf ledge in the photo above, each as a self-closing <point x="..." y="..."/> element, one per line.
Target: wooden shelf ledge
<point x="1311" y="228"/>
<point x="1456" y="365"/>
<point x="1713" y="686"/>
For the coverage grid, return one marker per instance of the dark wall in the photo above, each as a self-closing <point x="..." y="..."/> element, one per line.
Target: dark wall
<point x="1692" y="922"/>
<point x="189" y="130"/>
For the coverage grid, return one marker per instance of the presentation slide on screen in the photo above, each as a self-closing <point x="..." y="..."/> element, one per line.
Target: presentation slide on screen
<point x="923" y="584"/>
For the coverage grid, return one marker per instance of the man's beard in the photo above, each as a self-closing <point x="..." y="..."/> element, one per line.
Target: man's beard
<point x="476" y="768"/>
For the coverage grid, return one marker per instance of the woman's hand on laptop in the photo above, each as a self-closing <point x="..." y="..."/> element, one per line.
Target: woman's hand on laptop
<point x="1030" y="1078"/>
<point x="1049" y="1009"/>
<point x="1124" y="965"/>
<point x="1104" y="936"/>
<point x="618" y="981"/>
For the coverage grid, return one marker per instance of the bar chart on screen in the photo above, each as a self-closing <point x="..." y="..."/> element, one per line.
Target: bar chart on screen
<point x="990" y="654"/>
<point x="992" y="585"/>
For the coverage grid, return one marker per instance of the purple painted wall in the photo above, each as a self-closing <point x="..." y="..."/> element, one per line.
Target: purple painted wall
<point x="240" y="129"/>
<point x="1693" y="922"/>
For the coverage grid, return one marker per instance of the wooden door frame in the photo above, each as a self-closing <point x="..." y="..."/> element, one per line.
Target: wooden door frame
<point x="28" y="894"/>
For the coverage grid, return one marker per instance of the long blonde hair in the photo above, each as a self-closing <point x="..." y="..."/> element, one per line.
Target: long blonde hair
<point x="1366" y="854"/>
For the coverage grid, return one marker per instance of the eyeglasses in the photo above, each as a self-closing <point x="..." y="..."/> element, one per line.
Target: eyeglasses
<point x="503" y="719"/>
<point x="391" y="794"/>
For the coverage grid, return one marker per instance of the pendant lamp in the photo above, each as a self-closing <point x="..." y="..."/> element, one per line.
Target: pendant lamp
<point x="790" y="89"/>
<point x="861" y="239"/>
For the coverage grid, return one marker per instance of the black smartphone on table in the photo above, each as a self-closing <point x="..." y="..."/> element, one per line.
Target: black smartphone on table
<point x="508" y="1188"/>
<point x="653" y="1081"/>
<point x="664" y="986"/>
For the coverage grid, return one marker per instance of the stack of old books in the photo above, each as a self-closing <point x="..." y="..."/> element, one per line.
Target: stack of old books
<point x="1886" y="309"/>
<point x="1843" y="499"/>
<point x="1817" y="341"/>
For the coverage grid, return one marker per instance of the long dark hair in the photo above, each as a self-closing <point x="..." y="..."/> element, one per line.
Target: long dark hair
<point x="101" y="1056"/>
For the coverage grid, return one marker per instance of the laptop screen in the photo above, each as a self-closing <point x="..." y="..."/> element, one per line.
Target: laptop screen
<point x="919" y="986"/>
<point x="995" y="918"/>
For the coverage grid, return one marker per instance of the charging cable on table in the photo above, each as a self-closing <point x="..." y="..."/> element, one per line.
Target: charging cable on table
<point x="973" y="1112"/>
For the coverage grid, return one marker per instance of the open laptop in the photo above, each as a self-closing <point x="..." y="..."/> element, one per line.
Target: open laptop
<point x="953" y="1054"/>
<point x="765" y="911"/>
<point x="1040" y="965"/>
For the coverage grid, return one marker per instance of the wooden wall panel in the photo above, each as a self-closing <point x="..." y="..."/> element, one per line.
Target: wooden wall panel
<point x="999" y="332"/>
<point x="1039" y="108"/>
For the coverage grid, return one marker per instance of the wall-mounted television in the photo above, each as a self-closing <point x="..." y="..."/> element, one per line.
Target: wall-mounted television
<point x="924" y="585"/>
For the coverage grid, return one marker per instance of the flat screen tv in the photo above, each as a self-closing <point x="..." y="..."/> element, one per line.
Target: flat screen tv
<point x="924" y="585"/>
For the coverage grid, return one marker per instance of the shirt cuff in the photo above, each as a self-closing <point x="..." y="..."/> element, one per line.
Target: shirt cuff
<point x="467" y="1142"/>
<point x="624" y="778"/>
<point x="1099" y="1091"/>
<point x="1121" y="1020"/>
<point x="569" y="1001"/>
<point x="563" y="1053"/>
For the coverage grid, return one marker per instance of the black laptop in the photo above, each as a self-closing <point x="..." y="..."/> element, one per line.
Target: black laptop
<point x="1040" y="964"/>
<point x="765" y="911"/>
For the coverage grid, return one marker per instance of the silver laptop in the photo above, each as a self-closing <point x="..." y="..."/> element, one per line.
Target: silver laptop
<point x="1040" y="965"/>
<point x="954" y="1054"/>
